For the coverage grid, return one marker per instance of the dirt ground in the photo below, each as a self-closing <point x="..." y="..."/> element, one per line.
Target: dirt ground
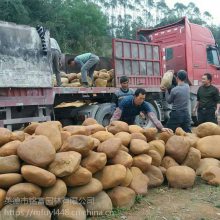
<point x="202" y="202"/>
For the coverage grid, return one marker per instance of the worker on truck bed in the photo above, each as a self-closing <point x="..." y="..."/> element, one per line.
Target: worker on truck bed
<point x="207" y="106"/>
<point x="56" y="56"/>
<point x="87" y="63"/>
<point x="122" y="92"/>
<point x="179" y="96"/>
<point x="132" y="105"/>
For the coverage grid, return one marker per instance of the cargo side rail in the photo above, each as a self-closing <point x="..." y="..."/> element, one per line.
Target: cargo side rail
<point x="139" y="61"/>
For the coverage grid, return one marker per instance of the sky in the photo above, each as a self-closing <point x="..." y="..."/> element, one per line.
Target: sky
<point x="212" y="6"/>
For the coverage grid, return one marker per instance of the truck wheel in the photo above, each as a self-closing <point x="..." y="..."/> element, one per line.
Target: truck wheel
<point x="104" y="114"/>
<point x="146" y="123"/>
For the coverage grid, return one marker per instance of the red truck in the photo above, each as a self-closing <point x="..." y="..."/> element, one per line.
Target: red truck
<point x="27" y="94"/>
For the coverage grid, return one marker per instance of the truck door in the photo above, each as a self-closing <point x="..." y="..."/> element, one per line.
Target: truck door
<point x="205" y="60"/>
<point x="175" y="57"/>
<point x="199" y="61"/>
<point x="140" y="61"/>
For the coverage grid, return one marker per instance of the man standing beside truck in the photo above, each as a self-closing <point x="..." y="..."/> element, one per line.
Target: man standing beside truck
<point x="207" y="105"/>
<point x="87" y="63"/>
<point x="56" y="56"/>
<point x="180" y="98"/>
<point x="131" y="106"/>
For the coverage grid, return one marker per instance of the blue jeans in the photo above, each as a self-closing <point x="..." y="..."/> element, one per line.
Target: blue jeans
<point x="179" y="119"/>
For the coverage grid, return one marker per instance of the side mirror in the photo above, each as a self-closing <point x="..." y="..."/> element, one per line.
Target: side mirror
<point x="210" y="47"/>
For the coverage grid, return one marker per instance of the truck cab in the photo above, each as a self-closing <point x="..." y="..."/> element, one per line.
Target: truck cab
<point x="187" y="46"/>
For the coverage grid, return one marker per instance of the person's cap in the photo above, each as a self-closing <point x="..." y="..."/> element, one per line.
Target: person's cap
<point x="123" y="79"/>
<point x="182" y="75"/>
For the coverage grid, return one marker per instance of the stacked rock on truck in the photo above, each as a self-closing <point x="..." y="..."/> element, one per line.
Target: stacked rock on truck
<point x="102" y="78"/>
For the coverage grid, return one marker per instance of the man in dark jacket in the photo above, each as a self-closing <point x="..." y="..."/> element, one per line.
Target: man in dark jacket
<point x="207" y="105"/>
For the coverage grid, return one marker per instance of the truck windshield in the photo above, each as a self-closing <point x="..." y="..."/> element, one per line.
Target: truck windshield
<point x="212" y="56"/>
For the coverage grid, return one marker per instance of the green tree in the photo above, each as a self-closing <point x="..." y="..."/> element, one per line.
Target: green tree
<point x="88" y="25"/>
<point x="150" y="5"/>
<point x="207" y="17"/>
<point x="193" y="11"/>
<point x="77" y="25"/>
<point x="138" y="23"/>
<point x="14" y="11"/>
<point x="84" y="26"/>
<point x="179" y="9"/>
<point x="162" y="10"/>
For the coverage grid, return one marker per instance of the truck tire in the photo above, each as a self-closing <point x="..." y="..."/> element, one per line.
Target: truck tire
<point x="88" y="111"/>
<point x="104" y="114"/>
<point x="146" y="123"/>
